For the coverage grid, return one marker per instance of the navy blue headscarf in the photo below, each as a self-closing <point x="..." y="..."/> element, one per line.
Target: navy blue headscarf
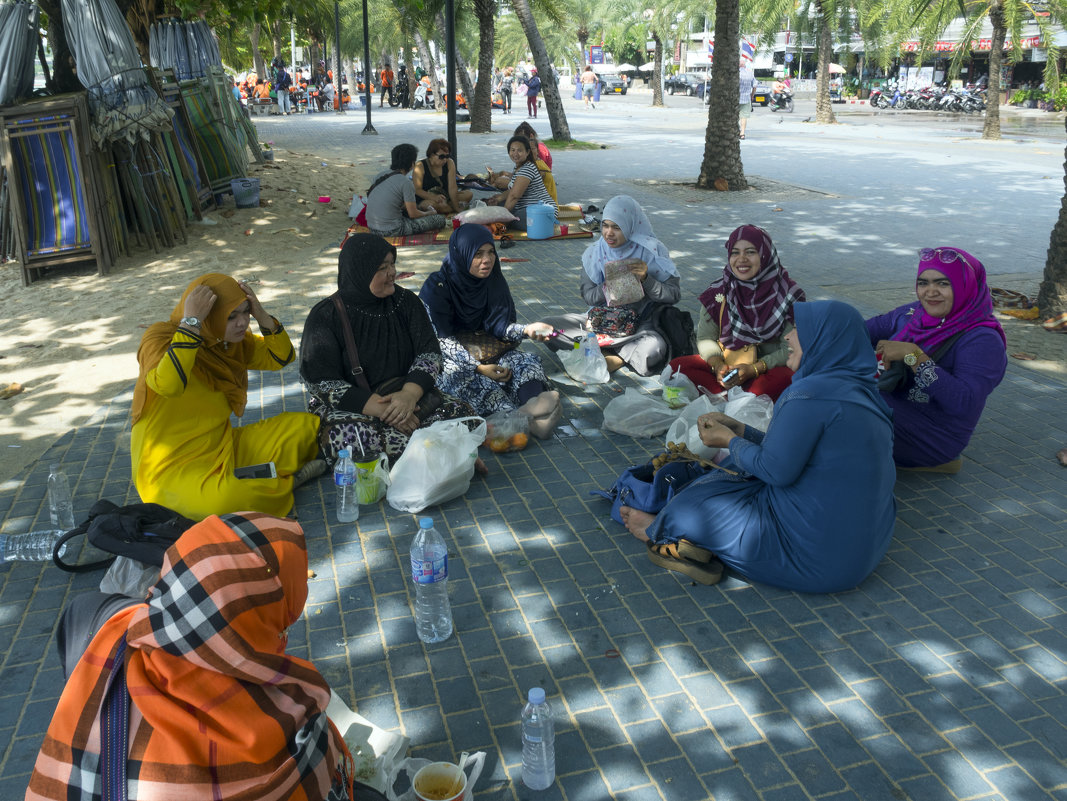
<point x="457" y="300"/>
<point x="838" y="362"/>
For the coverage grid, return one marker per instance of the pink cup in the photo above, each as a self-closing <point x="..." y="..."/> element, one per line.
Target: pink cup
<point x="564" y="229"/>
<point x="324" y="198"/>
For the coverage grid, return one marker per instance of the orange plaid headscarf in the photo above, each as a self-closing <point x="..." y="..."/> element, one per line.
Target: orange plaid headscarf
<point x="217" y="708"/>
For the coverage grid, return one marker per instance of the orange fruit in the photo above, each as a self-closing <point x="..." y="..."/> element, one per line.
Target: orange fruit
<point x="519" y="440"/>
<point x="499" y="445"/>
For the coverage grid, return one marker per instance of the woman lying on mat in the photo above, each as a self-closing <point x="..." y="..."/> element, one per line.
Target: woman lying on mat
<point x="626" y="233"/>
<point x="526" y="187"/>
<point x="377" y="409"/>
<point x="811" y="508"/>
<point x="943" y="356"/>
<point x="392" y="206"/>
<point x="434" y="179"/>
<point x="195" y="684"/>
<point x="469" y="295"/>
<point x="542" y="158"/>
<point x="744" y="319"/>
<point x="193" y="376"/>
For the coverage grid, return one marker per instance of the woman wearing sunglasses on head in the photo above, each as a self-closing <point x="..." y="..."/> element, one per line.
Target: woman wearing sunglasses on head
<point x="942" y="356"/>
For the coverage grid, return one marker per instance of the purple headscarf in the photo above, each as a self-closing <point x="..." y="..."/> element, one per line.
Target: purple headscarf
<point x="757" y="310"/>
<point x="972" y="303"/>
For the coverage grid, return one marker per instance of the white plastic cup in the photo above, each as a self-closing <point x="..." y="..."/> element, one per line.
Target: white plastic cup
<point x="440" y="781"/>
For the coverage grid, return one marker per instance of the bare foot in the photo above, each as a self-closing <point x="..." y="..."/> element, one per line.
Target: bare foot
<point x="614" y="362"/>
<point x="480" y="467"/>
<point x="636" y="521"/>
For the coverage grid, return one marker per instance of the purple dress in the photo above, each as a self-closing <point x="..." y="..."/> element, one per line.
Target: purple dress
<point x="936" y="409"/>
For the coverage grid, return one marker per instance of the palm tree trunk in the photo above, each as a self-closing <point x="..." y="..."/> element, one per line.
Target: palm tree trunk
<point x="657" y="71"/>
<point x="462" y="74"/>
<point x="991" y="128"/>
<point x="431" y="70"/>
<point x="481" y="105"/>
<point x="1052" y="296"/>
<point x="257" y="58"/>
<point x="824" y="110"/>
<point x="557" y="117"/>
<point x="722" y="147"/>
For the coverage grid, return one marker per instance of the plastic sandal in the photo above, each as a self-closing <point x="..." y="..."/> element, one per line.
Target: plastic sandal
<point x="666" y="555"/>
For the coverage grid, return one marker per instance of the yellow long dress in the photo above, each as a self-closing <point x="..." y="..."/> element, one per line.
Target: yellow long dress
<point x="184" y="449"/>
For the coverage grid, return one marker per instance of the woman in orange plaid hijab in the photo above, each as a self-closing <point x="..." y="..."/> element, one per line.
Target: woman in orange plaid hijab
<point x="216" y="708"/>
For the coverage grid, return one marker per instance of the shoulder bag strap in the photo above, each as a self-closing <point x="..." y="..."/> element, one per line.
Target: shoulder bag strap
<point x="384" y="178"/>
<point x="115" y="731"/>
<point x="350" y="341"/>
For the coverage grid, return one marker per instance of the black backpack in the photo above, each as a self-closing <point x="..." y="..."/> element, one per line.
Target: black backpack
<point x="141" y="531"/>
<point x="676" y="326"/>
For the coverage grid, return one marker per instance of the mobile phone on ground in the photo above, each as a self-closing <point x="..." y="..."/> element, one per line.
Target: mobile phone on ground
<point x="264" y="470"/>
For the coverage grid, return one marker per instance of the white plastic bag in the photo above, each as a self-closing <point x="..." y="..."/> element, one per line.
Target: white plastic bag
<point x="130" y="577"/>
<point x="684" y="430"/>
<point x="437" y="465"/>
<point x="472" y="766"/>
<point x="752" y="410"/>
<point x="377" y="753"/>
<point x="586" y="363"/>
<point x="678" y="388"/>
<point x="638" y="415"/>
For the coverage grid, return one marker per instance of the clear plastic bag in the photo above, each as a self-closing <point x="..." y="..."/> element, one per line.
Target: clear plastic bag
<point x="586" y="363"/>
<point x="436" y="466"/>
<point x="129" y="577"/>
<point x="678" y="388"/>
<point x="638" y="415"/>
<point x="752" y="410"/>
<point x="507" y="431"/>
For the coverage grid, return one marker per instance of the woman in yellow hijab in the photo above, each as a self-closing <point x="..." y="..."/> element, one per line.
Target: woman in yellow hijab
<point x="193" y="375"/>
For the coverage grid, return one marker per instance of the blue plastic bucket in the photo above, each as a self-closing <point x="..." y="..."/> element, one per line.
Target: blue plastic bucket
<point x="540" y="221"/>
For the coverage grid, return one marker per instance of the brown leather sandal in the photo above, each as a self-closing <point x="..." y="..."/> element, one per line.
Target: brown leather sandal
<point x="667" y="555"/>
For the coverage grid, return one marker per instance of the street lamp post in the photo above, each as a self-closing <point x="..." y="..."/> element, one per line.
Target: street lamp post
<point x="368" y="129"/>
<point x="450" y="76"/>
<point x="337" y="54"/>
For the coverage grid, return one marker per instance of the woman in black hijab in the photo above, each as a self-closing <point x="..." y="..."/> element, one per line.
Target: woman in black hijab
<point x="394" y="341"/>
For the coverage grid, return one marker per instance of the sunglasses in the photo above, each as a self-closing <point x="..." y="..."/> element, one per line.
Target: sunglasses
<point x="943" y="255"/>
<point x="442" y="156"/>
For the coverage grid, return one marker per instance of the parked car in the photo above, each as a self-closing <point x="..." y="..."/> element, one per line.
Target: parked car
<point x="612" y="84"/>
<point x="762" y="95"/>
<point x="686" y="82"/>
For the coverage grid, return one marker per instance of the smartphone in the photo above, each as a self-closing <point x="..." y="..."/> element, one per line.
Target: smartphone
<point x="730" y="376"/>
<point x="264" y="470"/>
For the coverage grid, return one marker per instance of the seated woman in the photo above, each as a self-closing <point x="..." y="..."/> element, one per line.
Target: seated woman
<point x="947" y="352"/>
<point x="470" y="294"/>
<point x="435" y="180"/>
<point x="626" y="233"/>
<point x="525" y="188"/>
<point x="216" y="708"/>
<point x="542" y="158"/>
<point x="392" y="209"/>
<point x="743" y="320"/>
<point x="812" y="509"/>
<point x="395" y="343"/>
<point x="193" y="376"/>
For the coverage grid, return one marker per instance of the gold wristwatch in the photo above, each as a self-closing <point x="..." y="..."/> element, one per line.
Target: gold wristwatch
<point x="912" y="358"/>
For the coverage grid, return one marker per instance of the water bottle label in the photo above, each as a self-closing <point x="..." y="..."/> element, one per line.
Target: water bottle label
<point x="427" y="571"/>
<point x="344" y="479"/>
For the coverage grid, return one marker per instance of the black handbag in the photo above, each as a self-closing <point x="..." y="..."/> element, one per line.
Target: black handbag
<point x="897" y="372"/>
<point x="483" y="346"/>
<point x="141" y="531"/>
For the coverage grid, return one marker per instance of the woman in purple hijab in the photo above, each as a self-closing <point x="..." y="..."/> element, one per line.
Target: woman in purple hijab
<point x="942" y="356"/>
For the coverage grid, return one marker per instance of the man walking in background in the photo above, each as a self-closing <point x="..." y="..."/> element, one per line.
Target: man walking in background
<point x="386" y="84"/>
<point x="747" y="85"/>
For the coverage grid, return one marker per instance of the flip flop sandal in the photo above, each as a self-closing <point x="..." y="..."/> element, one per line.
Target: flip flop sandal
<point x="1058" y="323"/>
<point x="684" y="549"/>
<point x="506" y="242"/>
<point x="703" y="573"/>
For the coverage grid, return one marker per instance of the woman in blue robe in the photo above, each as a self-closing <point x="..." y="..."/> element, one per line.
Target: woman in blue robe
<point x="812" y="509"/>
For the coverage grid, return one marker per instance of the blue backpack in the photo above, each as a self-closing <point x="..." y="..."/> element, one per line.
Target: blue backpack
<point x="647" y="489"/>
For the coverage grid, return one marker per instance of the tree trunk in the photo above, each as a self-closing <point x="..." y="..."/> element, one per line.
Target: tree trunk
<point x="257" y="58"/>
<point x="722" y="147"/>
<point x="481" y="103"/>
<point x="64" y="79"/>
<point x="1052" y="296"/>
<point x="557" y="117"/>
<point x="991" y="128"/>
<point x="824" y="109"/>
<point x="462" y="73"/>
<point x="431" y="70"/>
<point x="657" y="71"/>
<point x="276" y="37"/>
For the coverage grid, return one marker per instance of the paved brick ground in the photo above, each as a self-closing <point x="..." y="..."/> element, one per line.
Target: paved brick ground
<point x="942" y="677"/>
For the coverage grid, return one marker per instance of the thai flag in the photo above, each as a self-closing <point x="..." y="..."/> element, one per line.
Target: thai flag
<point x="710" y="48"/>
<point x="748" y="50"/>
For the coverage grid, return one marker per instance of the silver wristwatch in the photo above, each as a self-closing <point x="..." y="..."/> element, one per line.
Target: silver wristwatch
<point x="192" y="322"/>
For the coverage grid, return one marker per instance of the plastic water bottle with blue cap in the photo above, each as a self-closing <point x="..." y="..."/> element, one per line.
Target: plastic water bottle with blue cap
<point x="429" y="571"/>
<point x="538" y="742"/>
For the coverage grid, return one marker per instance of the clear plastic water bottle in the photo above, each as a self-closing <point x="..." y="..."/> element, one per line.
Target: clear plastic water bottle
<point x="429" y="571"/>
<point x="36" y="546"/>
<point x="60" y="508"/>
<point x="590" y="347"/>
<point x="344" y="479"/>
<point x="538" y="742"/>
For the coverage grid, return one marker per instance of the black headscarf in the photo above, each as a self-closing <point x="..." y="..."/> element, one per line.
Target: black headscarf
<point x="457" y="300"/>
<point x="391" y="333"/>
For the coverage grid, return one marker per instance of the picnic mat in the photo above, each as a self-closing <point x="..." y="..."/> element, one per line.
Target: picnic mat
<point x="442" y="236"/>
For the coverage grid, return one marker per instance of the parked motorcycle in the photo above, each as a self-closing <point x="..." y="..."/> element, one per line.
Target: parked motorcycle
<point x="783" y="102"/>
<point x="423" y="97"/>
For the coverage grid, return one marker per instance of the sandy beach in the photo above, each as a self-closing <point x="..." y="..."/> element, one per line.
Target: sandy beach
<point x="71" y="339"/>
